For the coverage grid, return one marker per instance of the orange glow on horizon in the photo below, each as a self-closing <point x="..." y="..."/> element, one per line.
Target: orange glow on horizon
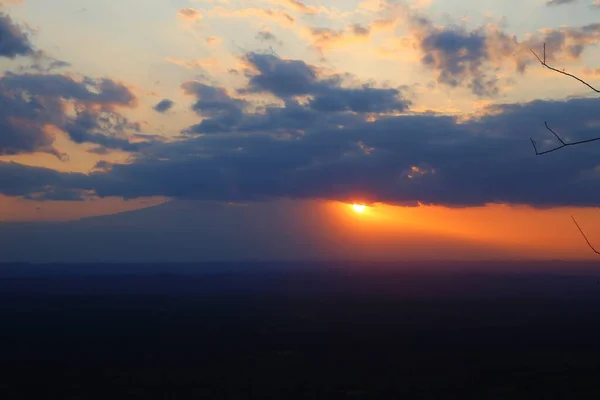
<point x="378" y="231"/>
<point x="509" y="230"/>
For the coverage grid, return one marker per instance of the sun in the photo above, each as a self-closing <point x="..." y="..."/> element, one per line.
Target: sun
<point x="359" y="208"/>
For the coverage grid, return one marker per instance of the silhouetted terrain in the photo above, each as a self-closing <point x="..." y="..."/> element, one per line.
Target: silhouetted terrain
<point x="266" y="331"/>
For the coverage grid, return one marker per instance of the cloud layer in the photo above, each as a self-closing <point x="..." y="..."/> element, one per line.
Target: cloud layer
<point x="298" y="150"/>
<point x="296" y="130"/>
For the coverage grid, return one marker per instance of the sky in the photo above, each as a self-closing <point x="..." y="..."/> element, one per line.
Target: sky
<point x="223" y="120"/>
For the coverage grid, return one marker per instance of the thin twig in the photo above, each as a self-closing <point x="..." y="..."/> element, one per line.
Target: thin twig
<point x="563" y="143"/>
<point x="543" y="62"/>
<point x="584" y="236"/>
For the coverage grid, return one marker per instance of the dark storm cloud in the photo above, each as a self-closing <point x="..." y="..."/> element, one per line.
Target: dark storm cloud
<point x="13" y="40"/>
<point x="164" y="105"/>
<point x="29" y="103"/>
<point x="297" y="152"/>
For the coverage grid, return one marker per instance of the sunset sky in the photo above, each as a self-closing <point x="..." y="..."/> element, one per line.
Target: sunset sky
<point x="259" y="123"/>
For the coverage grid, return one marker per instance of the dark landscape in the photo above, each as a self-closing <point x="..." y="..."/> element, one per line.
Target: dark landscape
<point x="300" y="331"/>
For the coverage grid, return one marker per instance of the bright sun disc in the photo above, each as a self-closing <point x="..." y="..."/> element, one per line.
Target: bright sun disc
<point x="359" y="207"/>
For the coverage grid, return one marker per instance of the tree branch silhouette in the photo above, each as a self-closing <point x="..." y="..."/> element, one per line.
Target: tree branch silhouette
<point x="543" y="62"/>
<point x="585" y="237"/>
<point x="563" y="144"/>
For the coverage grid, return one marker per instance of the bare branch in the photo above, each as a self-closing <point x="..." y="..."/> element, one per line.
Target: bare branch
<point x="585" y="237"/>
<point x="543" y="62"/>
<point x="562" y="142"/>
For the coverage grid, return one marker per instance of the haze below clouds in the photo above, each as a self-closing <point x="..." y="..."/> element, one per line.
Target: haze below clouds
<point x="187" y="231"/>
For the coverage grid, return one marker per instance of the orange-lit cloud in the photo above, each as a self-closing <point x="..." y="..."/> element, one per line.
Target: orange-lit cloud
<point x="208" y="62"/>
<point x="213" y="40"/>
<point x="325" y="38"/>
<point x="190" y="14"/>
<point x="593" y="72"/>
<point x="282" y="18"/>
<point x="298" y="6"/>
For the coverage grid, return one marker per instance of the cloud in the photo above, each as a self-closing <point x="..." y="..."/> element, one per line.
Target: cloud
<point x="222" y="110"/>
<point x="595" y="72"/>
<point x="13" y="39"/>
<point x="472" y="58"/>
<point x="298" y="6"/>
<point x="213" y="40"/>
<point x="327" y="38"/>
<point x="22" y="125"/>
<point x="84" y="109"/>
<point x="21" y="180"/>
<point x="302" y="150"/>
<point x="289" y="78"/>
<point x="282" y="18"/>
<point x="44" y="63"/>
<point x="281" y="77"/>
<point x="104" y="128"/>
<point x="456" y="55"/>
<point x="190" y="14"/>
<point x="559" y="2"/>
<point x="204" y="63"/>
<point x="164" y="105"/>
<point x="104" y="92"/>
<point x="266" y="36"/>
